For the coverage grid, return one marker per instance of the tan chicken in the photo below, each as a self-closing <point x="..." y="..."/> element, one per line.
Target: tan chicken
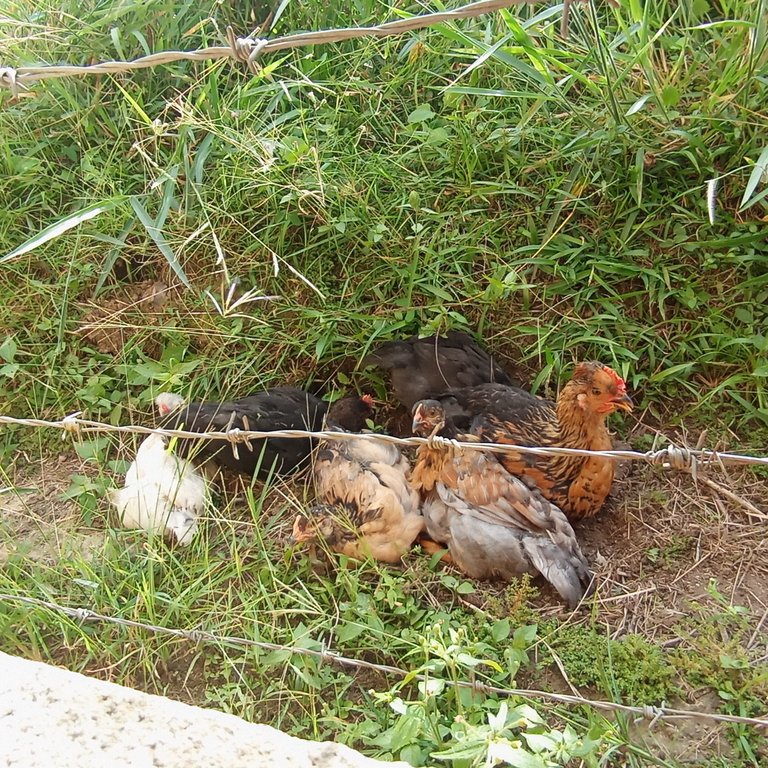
<point x="577" y="485"/>
<point x="495" y="525"/>
<point x="368" y="507"/>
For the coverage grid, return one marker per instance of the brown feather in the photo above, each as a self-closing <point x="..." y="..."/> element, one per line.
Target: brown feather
<point x="495" y="524"/>
<point x="577" y="485"/>
<point x="369" y="508"/>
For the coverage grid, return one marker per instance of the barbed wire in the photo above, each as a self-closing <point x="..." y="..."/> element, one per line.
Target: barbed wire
<point x="672" y="456"/>
<point x="249" y="49"/>
<point x="649" y="712"/>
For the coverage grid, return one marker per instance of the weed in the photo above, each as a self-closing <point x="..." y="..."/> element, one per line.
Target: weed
<point x="715" y="656"/>
<point x="631" y="668"/>
<point x="673" y="550"/>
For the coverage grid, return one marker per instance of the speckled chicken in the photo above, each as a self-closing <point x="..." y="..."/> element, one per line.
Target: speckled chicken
<point x="421" y="368"/>
<point x="162" y="492"/>
<point x="368" y="507"/>
<point x="495" y="525"/>
<point x="577" y="485"/>
<point x="275" y="409"/>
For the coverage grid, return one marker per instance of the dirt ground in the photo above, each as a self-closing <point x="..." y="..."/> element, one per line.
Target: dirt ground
<point x="35" y="521"/>
<point x="661" y="541"/>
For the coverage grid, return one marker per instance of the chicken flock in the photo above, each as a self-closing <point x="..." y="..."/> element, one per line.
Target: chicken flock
<point x="494" y="514"/>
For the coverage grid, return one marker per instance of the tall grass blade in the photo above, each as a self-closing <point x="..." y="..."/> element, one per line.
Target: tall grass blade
<point x="114" y="254"/>
<point x="159" y="240"/>
<point x="60" y="227"/>
<point x="758" y="173"/>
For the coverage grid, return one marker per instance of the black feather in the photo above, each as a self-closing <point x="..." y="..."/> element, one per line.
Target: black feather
<point x="276" y="409"/>
<point x="424" y="368"/>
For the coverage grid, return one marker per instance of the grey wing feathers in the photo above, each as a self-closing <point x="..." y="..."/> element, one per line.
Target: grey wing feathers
<point x="562" y="564"/>
<point x="514" y="529"/>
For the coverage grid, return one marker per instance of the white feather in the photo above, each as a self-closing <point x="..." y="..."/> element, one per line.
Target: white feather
<point x="167" y="402"/>
<point x="161" y="492"/>
<point x="712" y="199"/>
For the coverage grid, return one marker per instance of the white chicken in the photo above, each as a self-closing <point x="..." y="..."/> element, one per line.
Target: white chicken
<point x="162" y="492"/>
<point x="167" y="402"/>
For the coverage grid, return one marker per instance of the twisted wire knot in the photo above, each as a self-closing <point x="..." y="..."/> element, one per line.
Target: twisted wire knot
<point x="652" y="713"/>
<point x="70" y="423"/>
<point x="675" y="457"/>
<point x="195" y="635"/>
<point x="246" y="49"/>
<point x="327" y="656"/>
<point x="236" y="435"/>
<point x="479" y="687"/>
<point x="82" y="614"/>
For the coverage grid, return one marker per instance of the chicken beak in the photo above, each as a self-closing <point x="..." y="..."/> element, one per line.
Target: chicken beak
<point x="623" y="403"/>
<point x="418" y="418"/>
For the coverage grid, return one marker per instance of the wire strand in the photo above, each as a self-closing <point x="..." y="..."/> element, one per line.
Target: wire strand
<point x="671" y="457"/>
<point x="248" y="49"/>
<point x="649" y="712"/>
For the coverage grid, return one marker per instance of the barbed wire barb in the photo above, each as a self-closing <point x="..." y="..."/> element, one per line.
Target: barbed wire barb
<point x="654" y="714"/>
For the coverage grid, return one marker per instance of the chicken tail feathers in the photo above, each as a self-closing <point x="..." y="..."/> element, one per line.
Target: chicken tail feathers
<point x="566" y="570"/>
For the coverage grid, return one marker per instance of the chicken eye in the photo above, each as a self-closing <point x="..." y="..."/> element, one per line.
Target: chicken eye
<point x="596" y="391"/>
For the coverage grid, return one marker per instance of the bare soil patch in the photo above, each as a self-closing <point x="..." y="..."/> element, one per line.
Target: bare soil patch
<point x="35" y="521"/>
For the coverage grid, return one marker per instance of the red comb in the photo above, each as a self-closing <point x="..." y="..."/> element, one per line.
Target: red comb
<point x="368" y="400"/>
<point x="617" y="380"/>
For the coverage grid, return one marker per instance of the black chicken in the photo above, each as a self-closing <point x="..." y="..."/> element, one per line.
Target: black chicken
<point x="275" y="409"/>
<point x="424" y="368"/>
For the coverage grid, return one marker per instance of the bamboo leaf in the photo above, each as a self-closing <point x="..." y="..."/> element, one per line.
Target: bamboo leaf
<point x="60" y="227"/>
<point x="761" y="166"/>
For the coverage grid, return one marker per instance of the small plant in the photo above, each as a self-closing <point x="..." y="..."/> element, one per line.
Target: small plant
<point x="714" y="656"/>
<point x="463" y="726"/>
<point x="674" y="549"/>
<point x="630" y="668"/>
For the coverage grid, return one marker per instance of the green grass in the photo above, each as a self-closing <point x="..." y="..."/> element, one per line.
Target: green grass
<point x="487" y="174"/>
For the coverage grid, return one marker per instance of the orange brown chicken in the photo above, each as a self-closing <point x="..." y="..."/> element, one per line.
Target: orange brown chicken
<point x="496" y="526"/>
<point x="499" y="414"/>
<point x="367" y="505"/>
